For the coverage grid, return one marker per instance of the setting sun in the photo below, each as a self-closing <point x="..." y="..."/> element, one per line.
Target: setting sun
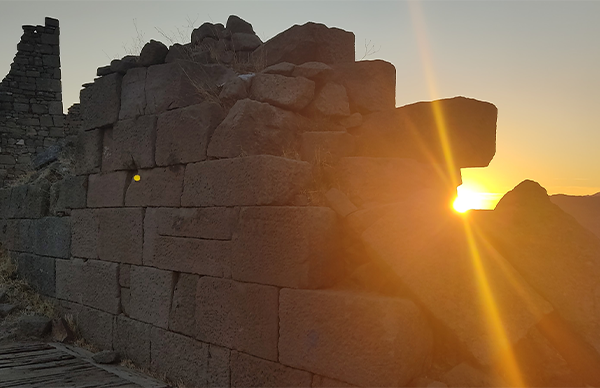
<point x="469" y="198"/>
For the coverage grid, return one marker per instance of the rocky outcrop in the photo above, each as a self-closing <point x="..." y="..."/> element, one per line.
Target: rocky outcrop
<point x="585" y="209"/>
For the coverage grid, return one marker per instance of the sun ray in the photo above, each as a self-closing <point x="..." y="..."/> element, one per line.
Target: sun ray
<point x="498" y="337"/>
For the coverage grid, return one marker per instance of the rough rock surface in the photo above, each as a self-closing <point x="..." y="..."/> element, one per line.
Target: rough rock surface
<point x="310" y="42"/>
<point x="292" y="93"/>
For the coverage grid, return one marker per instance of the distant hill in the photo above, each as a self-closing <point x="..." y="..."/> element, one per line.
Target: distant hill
<point x="585" y="209"/>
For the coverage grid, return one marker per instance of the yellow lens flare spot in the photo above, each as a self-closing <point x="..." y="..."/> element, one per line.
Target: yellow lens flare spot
<point x="468" y="199"/>
<point x="137" y="178"/>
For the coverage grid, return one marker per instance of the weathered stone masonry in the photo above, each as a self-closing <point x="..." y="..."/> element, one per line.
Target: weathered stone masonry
<point x="31" y="109"/>
<point x="275" y="201"/>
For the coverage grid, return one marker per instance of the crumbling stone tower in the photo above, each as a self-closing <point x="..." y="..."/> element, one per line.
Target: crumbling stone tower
<point x="31" y="109"/>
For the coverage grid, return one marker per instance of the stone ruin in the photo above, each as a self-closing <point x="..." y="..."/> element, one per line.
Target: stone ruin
<point x="244" y="213"/>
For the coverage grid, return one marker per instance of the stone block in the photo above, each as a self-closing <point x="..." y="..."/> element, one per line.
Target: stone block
<point x="120" y="236"/>
<point x="254" y="180"/>
<point x="291" y="93"/>
<point x="430" y="250"/>
<point x="412" y="131"/>
<point x="182" y="83"/>
<point x="124" y="275"/>
<point x="132" y="340"/>
<point x="183" y="307"/>
<point x="388" y="351"/>
<point x="69" y="193"/>
<point x="199" y="256"/>
<point x="38" y="271"/>
<point x="295" y="247"/>
<point x="5" y="205"/>
<point x="239" y="316"/>
<point x="85" y="226"/>
<point x="218" y="374"/>
<point x="133" y="93"/>
<point x="100" y="102"/>
<point x="108" y="189"/>
<point x="130" y="144"/>
<point x="88" y="151"/>
<point x="371" y="85"/>
<point x="310" y="42"/>
<point x="151" y="294"/>
<point x="150" y="234"/>
<point x="92" y="283"/>
<point x="255" y="128"/>
<point x="53" y="236"/>
<point x="339" y="202"/>
<point x="125" y="301"/>
<point x="20" y="235"/>
<point x="182" y="135"/>
<point x="160" y="186"/>
<point x="213" y="223"/>
<point x="327" y="147"/>
<point x="94" y="325"/>
<point x="248" y="371"/>
<point x="385" y="180"/>
<point x="30" y="201"/>
<point x="330" y="101"/>
<point x="179" y="358"/>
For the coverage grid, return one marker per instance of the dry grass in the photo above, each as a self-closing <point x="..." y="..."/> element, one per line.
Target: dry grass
<point x="127" y="363"/>
<point x="323" y="179"/>
<point x="20" y="293"/>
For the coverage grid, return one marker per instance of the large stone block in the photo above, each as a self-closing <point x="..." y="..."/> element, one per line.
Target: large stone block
<point x="129" y="145"/>
<point x="21" y="235"/>
<point x="182" y="135"/>
<point x="256" y="128"/>
<point x="310" y="42"/>
<point x="179" y="358"/>
<point x="213" y="223"/>
<point x="359" y="338"/>
<point x="254" y="180"/>
<point x="199" y="256"/>
<point x="94" y="325"/>
<point x="88" y="151"/>
<point x="133" y="93"/>
<point x="459" y="128"/>
<point x="371" y="85"/>
<point x="330" y="101"/>
<point x="327" y="147"/>
<point x="151" y="293"/>
<point x="150" y="234"/>
<point x="385" y="180"/>
<point x="5" y="202"/>
<point x="120" y="236"/>
<point x="100" y="102"/>
<point x="297" y="247"/>
<point x="108" y="189"/>
<point x="160" y="186"/>
<point x="182" y="317"/>
<point x="292" y="93"/>
<point x="248" y="371"/>
<point x="183" y="83"/>
<point x="92" y="283"/>
<point x="239" y="316"/>
<point x="132" y="340"/>
<point x="456" y="275"/>
<point x="30" y="201"/>
<point x="218" y="367"/>
<point x="52" y="236"/>
<point x="38" y="271"/>
<point x="69" y="193"/>
<point x="85" y="226"/>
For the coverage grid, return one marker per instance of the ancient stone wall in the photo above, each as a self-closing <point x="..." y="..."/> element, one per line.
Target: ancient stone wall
<point x="276" y="222"/>
<point x="31" y="109"/>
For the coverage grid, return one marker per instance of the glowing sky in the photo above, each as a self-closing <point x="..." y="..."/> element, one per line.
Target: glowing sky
<point x="538" y="62"/>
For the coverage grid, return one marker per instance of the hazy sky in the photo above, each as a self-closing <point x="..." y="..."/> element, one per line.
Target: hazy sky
<point x="537" y="61"/>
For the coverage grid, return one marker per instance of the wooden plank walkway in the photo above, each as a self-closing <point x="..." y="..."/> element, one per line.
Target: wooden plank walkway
<point x="58" y="365"/>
